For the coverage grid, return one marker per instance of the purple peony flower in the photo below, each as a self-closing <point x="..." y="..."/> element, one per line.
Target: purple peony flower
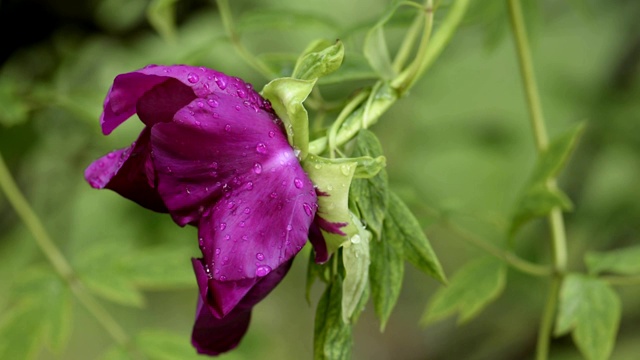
<point x="213" y="154"/>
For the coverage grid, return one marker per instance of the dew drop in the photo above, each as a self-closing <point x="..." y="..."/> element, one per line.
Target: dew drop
<point x="317" y="166"/>
<point x="200" y="104"/>
<point x="214" y="165"/>
<point x="263" y="270"/>
<point x="221" y="82"/>
<point x="355" y="239"/>
<point x="272" y="134"/>
<point x="298" y="183"/>
<point x="274" y="195"/>
<point x="238" y="108"/>
<point x="213" y="103"/>
<point x="227" y="128"/>
<point x="227" y="237"/>
<point x="198" y="123"/>
<point x="260" y="256"/>
<point x="289" y="227"/>
<point x="307" y="209"/>
<point x="218" y="251"/>
<point x="111" y="155"/>
<point x="247" y="210"/>
<point x="249" y="185"/>
<point x="261" y="148"/>
<point x="257" y="168"/>
<point x="241" y="224"/>
<point x="200" y="241"/>
<point x="241" y="93"/>
<point x="223" y="226"/>
<point x="345" y="169"/>
<point x="223" y="278"/>
<point x="193" y="78"/>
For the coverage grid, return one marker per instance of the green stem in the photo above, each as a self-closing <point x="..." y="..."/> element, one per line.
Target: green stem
<point x="621" y="280"/>
<point x="247" y="56"/>
<point x="548" y="317"/>
<point x="510" y="258"/>
<point x="556" y="222"/>
<point x="55" y="257"/>
<point x="436" y="45"/>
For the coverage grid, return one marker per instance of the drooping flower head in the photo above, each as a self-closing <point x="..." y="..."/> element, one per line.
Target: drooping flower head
<point x="213" y="154"/>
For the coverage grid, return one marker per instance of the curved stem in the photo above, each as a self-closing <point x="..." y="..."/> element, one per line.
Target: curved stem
<point x="510" y="258"/>
<point x="556" y="222"/>
<point x="55" y="256"/>
<point x="227" y="22"/>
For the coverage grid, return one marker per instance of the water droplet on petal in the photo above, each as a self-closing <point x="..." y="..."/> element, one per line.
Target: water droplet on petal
<point x="247" y="210"/>
<point x="263" y="270"/>
<point x="272" y="134"/>
<point x="193" y="78"/>
<point x="307" y="209"/>
<point x="221" y="82"/>
<point x="289" y="227"/>
<point x="223" y="226"/>
<point x="274" y="195"/>
<point x="200" y="241"/>
<point x="355" y="239"/>
<point x="261" y="148"/>
<point x="223" y="278"/>
<point x="249" y="185"/>
<point x="238" y="108"/>
<point x="218" y="251"/>
<point x="345" y="169"/>
<point x="260" y="256"/>
<point x="227" y="128"/>
<point x="298" y="183"/>
<point x="257" y="168"/>
<point x="317" y="166"/>
<point x="213" y="103"/>
<point x="241" y="93"/>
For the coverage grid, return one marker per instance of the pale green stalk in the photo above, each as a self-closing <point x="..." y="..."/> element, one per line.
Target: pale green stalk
<point x="556" y="222"/>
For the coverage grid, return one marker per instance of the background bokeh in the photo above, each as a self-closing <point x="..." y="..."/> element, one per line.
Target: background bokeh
<point x="459" y="144"/>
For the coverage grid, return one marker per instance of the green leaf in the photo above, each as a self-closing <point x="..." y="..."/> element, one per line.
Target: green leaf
<point x="286" y="96"/>
<point x="538" y="197"/>
<point x="470" y="290"/>
<point x="356" y="260"/>
<point x="15" y="109"/>
<point x="319" y="59"/>
<point x="42" y="314"/>
<point x="538" y="201"/>
<point x="332" y="337"/>
<point x="117" y="353"/>
<point x="161" y="15"/>
<point x="417" y="249"/>
<point x="554" y="158"/>
<point x="21" y="331"/>
<point x="620" y="261"/>
<point x="386" y="272"/>
<point x="591" y="310"/>
<point x="102" y="270"/>
<point x="376" y="51"/>
<point x="371" y="195"/>
<point x="333" y="178"/>
<point x="164" y="267"/>
<point x="164" y="345"/>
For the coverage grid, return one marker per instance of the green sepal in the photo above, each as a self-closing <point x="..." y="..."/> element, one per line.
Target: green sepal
<point x="286" y="96"/>
<point x="315" y="271"/>
<point x="591" y="310"/>
<point x="376" y="51"/>
<point x="320" y="58"/>
<point x="356" y="261"/>
<point x="333" y="178"/>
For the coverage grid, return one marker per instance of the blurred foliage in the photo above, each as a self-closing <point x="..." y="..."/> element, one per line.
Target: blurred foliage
<point x="458" y="148"/>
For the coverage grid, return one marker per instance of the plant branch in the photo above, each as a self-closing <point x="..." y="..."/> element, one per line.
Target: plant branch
<point x="55" y="256"/>
<point x="556" y="222"/>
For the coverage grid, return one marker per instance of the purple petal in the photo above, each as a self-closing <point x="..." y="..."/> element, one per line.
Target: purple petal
<point x="213" y="335"/>
<point x="128" y="172"/>
<point x="253" y="230"/>
<point x="319" y="244"/>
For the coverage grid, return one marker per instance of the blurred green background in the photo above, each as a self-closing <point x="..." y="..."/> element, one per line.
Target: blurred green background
<point x="459" y="144"/>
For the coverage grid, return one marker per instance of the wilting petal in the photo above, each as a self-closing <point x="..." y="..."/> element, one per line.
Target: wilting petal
<point x="128" y="172"/>
<point x="213" y="335"/>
